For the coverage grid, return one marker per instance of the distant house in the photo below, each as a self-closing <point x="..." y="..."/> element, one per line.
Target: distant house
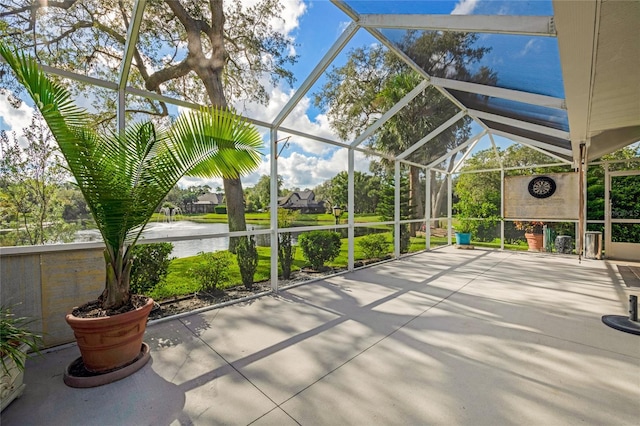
<point x="303" y="201"/>
<point x="206" y="203"/>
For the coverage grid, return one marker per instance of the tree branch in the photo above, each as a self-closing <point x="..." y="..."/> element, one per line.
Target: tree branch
<point x="75" y="27"/>
<point x="157" y="78"/>
<point x="65" y="4"/>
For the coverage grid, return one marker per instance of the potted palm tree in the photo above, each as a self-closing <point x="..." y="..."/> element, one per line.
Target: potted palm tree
<point x="124" y="177"/>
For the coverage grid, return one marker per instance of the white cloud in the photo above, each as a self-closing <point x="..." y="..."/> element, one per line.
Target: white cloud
<point x="531" y="46"/>
<point x="186" y="182"/>
<point x="298" y="119"/>
<point x="14" y="119"/>
<point x="308" y="171"/>
<point x="465" y="7"/>
<point x="292" y="10"/>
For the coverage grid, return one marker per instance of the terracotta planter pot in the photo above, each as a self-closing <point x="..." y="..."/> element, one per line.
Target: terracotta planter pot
<point x="535" y="241"/>
<point x="110" y="342"/>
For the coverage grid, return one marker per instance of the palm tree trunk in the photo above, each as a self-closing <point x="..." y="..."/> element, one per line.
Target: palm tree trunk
<point x="235" y="209"/>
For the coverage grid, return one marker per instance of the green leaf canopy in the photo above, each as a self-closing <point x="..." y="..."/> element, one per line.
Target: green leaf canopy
<point x="125" y="176"/>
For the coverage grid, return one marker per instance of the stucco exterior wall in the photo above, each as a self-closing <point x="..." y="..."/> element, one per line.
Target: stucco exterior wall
<point x="45" y="285"/>
<point x="563" y="204"/>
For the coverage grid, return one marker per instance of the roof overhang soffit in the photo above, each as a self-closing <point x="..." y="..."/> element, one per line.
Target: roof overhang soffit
<point x="600" y="58"/>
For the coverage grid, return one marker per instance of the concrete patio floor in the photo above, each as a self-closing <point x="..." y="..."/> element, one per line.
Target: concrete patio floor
<point x="449" y="337"/>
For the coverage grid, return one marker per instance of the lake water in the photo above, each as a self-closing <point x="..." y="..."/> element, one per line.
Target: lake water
<point x="183" y="228"/>
<point x="186" y="228"/>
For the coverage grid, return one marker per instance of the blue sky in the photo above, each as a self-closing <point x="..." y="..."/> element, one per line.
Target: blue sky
<point x="316" y="24"/>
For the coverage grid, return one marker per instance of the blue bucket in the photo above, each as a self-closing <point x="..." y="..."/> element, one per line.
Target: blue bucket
<point x="463" y="238"/>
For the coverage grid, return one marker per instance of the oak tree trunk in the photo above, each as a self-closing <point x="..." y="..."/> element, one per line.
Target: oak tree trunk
<point x="210" y="70"/>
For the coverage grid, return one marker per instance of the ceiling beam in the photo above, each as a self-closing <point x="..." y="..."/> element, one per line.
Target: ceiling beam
<point x="179" y="102"/>
<point x="131" y="40"/>
<point x="391" y="112"/>
<point x="337" y="47"/>
<point x="460" y="162"/>
<point x="460" y="147"/>
<point x="365" y="150"/>
<point x="499" y="92"/>
<point x="125" y="66"/>
<point x="495" y="24"/>
<point x="391" y="46"/>
<point x="560" y="134"/>
<point x="441" y="128"/>
<point x="79" y="77"/>
<point x="550" y="150"/>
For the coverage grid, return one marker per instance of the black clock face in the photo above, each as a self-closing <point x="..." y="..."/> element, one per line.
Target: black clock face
<point x="542" y="187"/>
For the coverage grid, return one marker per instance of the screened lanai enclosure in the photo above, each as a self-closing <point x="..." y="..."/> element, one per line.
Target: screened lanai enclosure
<point x="395" y="128"/>
<point x="505" y="115"/>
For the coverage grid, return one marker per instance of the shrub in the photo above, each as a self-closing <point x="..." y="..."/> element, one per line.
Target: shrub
<point x="14" y="333"/>
<point x="247" y="256"/>
<point x="374" y="246"/>
<point x="212" y="271"/>
<point x="150" y="266"/>
<point x="319" y="247"/>
<point x="286" y="254"/>
<point x="466" y="226"/>
<point x="221" y="209"/>
<point x="405" y="238"/>
<point x="286" y="249"/>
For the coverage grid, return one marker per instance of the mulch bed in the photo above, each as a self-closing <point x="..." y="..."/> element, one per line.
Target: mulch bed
<point x="179" y="305"/>
<point x="93" y="309"/>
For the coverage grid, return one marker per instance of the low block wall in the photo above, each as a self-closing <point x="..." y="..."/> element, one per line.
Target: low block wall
<point x="44" y="283"/>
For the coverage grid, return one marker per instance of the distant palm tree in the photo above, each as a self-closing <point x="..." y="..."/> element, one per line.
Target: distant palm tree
<point x="124" y="177"/>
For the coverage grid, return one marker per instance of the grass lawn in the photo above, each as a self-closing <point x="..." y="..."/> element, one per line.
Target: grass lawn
<point x="179" y="281"/>
<point x="496" y="245"/>
<point x="264" y="218"/>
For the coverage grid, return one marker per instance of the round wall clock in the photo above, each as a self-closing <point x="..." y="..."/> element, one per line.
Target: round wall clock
<point x="542" y="187"/>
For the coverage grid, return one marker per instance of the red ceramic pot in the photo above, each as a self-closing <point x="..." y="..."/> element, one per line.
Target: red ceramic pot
<point x="535" y="241"/>
<point x="108" y="343"/>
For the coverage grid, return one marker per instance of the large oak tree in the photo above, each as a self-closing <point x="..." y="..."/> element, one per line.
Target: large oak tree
<point x="207" y="52"/>
<point x="374" y="79"/>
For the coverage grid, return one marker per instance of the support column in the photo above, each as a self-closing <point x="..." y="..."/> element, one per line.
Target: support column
<point x="351" y="211"/>
<point x="427" y="209"/>
<point x="581" y="211"/>
<point x="607" y="205"/>
<point x="396" y="214"/>
<point x="273" y="209"/>
<point x="130" y="45"/>
<point x="449" y="209"/>
<point x="501" y="206"/>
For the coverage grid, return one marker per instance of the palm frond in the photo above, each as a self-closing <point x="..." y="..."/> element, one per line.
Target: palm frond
<point x="214" y="142"/>
<point x="125" y="176"/>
